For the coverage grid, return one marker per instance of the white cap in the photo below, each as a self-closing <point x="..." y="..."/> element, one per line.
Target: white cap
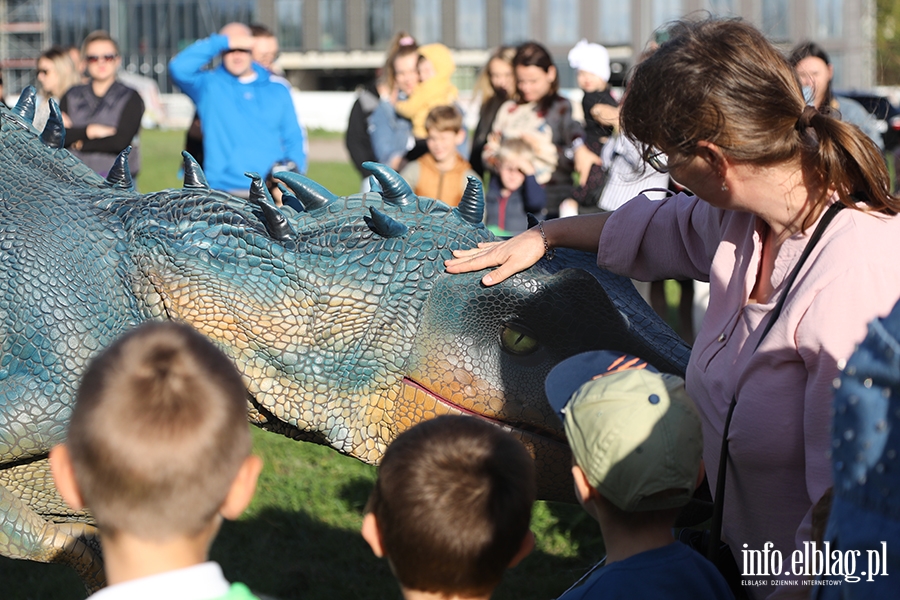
<point x="592" y="58"/>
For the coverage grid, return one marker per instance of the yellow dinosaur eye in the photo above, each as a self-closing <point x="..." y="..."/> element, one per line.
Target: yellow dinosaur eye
<point x="517" y="340"/>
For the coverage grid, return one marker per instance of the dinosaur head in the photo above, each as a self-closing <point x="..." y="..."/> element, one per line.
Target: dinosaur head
<point x="347" y="328"/>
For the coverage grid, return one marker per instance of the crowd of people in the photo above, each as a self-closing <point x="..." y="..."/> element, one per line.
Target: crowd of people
<point x="774" y="190"/>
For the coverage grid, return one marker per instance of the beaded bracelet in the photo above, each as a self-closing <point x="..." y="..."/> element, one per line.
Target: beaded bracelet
<point x="549" y="252"/>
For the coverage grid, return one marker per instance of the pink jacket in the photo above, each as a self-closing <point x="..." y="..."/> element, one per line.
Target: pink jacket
<point x="779" y="437"/>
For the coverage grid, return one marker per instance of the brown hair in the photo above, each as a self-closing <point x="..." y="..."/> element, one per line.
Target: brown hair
<point x="805" y="50"/>
<point x="444" y="118"/>
<point x="483" y="83"/>
<point x="65" y="68"/>
<point x="532" y="54"/>
<point x="453" y="504"/>
<point x="402" y="44"/>
<point x="97" y="36"/>
<point x="721" y="81"/>
<point x="158" y="432"/>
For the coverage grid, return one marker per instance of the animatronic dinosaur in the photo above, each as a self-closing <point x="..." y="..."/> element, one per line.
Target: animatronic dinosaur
<point x="337" y="311"/>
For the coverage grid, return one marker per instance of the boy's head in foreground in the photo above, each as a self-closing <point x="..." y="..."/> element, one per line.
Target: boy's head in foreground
<point x="634" y="433"/>
<point x="159" y="445"/>
<point x="591" y="61"/>
<point x="444" y="125"/>
<point x="452" y="506"/>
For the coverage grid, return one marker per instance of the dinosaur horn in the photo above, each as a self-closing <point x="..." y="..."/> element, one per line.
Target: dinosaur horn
<point x="384" y="225"/>
<point x="120" y="174"/>
<point x="54" y="134"/>
<point x="311" y="194"/>
<point x="374" y="185"/>
<point x="276" y="223"/>
<point x="193" y="174"/>
<point x="395" y="189"/>
<point x="288" y="199"/>
<point x="532" y="220"/>
<point x="471" y="207"/>
<point x="26" y="104"/>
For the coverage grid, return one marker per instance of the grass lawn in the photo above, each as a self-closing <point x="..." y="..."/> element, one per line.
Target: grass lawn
<point x="300" y="537"/>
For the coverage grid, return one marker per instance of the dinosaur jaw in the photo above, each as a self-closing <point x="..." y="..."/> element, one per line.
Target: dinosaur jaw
<point x="552" y="457"/>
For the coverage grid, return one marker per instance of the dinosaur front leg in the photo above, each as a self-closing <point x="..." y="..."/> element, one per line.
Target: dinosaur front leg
<point x="26" y="535"/>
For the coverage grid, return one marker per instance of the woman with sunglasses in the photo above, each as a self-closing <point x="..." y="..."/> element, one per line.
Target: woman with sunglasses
<point x="720" y="109"/>
<point x="103" y="116"/>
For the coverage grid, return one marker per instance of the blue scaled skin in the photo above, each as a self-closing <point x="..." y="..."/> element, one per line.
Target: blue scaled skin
<point x="337" y="311"/>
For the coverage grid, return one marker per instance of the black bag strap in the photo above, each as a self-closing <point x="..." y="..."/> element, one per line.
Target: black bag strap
<point x="712" y="551"/>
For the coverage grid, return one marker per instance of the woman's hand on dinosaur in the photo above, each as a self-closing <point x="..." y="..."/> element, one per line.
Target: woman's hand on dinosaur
<point x="510" y="256"/>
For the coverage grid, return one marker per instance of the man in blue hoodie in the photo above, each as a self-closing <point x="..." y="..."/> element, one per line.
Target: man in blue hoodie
<point x="249" y="123"/>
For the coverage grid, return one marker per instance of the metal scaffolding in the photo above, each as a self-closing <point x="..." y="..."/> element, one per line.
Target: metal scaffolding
<point x="24" y="32"/>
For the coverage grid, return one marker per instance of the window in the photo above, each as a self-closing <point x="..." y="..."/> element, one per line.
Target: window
<point x="471" y="29"/>
<point x="290" y="23"/>
<point x="332" y="24"/>
<point x="427" y="21"/>
<point x="562" y="22"/>
<point x="722" y="8"/>
<point x="379" y="23"/>
<point x="775" y="19"/>
<point x="516" y="22"/>
<point x="829" y="21"/>
<point x="665" y="11"/>
<point x="615" y="22"/>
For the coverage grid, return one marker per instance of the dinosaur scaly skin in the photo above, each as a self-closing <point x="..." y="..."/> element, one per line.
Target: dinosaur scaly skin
<point x="336" y="310"/>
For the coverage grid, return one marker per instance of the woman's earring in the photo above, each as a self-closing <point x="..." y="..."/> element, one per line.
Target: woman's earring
<point x="724" y="186"/>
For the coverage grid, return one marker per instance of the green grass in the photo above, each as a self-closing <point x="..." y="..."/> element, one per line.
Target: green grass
<point x="300" y="536"/>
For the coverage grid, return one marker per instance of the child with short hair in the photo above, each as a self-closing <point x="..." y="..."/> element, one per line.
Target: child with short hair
<point x="601" y="112"/>
<point x="636" y="442"/>
<point x="158" y="449"/>
<point x="441" y="173"/>
<point x="451" y="508"/>
<point x="513" y="192"/>
<point x="436" y="67"/>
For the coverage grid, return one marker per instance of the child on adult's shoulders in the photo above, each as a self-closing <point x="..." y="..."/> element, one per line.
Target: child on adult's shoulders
<point x="636" y="442"/>
<point x="601" y="112"/>
<point x="435" y="68"/>
<point x="513" y="192"/>
<point x="441" y="173"/>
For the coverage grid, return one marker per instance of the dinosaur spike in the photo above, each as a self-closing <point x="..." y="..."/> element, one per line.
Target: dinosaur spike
<point x="120" y="175"/>
<point x="311" y="194"/>
<point x="471" y="207"/>
<point x="193" y="174"/>
<point x="26" y="104"/>
<point x="374" y="185"/>
<point x="384" y="225"/>
<point x="395" y="190"/>
<point x="288" y="199"/>
<point x="54" y="134"/>
<point x="532" y="220"/>
<point x="276" y="223"/>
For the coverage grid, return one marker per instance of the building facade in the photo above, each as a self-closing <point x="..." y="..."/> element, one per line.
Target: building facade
<point x="337" y="44"/>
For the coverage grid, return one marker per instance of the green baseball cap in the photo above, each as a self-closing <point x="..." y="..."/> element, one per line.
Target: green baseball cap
<point x="633" y="430"/>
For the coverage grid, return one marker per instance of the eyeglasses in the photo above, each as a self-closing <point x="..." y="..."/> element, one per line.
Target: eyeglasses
<point x="42" y="71"/>
<point x="659" y="161"/>
<point x="231" y="50"/>
<point x="104" y="57"/>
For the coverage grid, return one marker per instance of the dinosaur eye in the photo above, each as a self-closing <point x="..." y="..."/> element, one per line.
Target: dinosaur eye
<point x="517" y="340"/>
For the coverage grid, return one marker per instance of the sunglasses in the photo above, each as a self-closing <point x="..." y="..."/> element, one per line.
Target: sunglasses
<point x="232" y="50"/>
<point x="104" y="57"/>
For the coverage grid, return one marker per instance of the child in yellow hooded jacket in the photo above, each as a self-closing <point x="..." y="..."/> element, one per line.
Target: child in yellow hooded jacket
<point x="436" y="66"/>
